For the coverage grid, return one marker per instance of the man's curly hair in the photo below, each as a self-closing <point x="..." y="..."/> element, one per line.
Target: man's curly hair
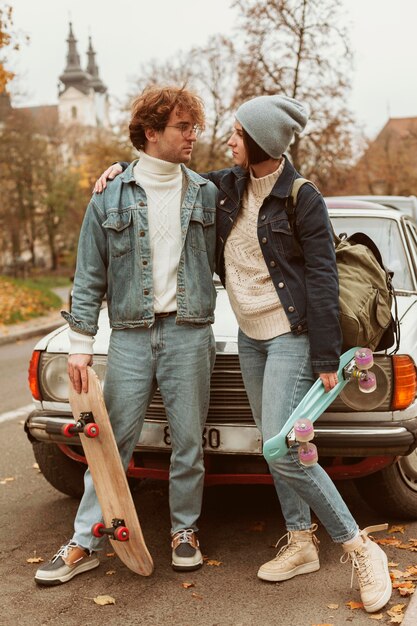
<point x="154" y="106"/>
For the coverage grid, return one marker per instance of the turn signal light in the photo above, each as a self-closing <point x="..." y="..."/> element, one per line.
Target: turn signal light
<point x="405" y="381"/>
<point x="33" y="375"/>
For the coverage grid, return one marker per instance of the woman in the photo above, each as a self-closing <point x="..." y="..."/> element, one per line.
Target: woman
<point x="286" y="304"/>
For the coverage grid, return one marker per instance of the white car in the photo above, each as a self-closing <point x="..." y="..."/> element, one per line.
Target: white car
<point x="374" y="444"/>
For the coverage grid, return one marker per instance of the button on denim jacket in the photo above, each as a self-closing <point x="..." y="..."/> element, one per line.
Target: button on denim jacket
<point x="114" y="256"/>
<point x="307" y="285"/>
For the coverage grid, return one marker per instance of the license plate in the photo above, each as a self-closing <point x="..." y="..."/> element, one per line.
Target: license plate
<point x="233" y="439"/>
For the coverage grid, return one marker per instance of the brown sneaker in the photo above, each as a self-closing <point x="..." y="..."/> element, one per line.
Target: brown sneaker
<point x="371" y="566"/>
<point x="299" y="556"/>
<point x="186" y="555"/>
<point x="69" y="561"/>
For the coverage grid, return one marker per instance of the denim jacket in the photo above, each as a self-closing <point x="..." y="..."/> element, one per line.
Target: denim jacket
<point x="114" y="256"/>
<point x="307" y="285"/>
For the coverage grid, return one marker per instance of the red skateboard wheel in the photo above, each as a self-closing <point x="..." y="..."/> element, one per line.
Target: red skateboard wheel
<point x="121" y="533"/>
<point x="97" y="529"/>
<point x="67" y="430"/>
<point x="307" y="454"/>
<point x="303" y="429"/>
<point x="91" y="430"/>
<point x="364" y="358"/>
<point x="367" y="384"/>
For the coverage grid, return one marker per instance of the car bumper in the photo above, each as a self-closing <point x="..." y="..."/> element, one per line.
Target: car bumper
<point x="350" y="439"/>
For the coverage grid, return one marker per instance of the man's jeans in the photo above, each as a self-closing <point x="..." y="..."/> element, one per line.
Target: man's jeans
<point x="277" y="374"/>
<point x="179" y="360"/>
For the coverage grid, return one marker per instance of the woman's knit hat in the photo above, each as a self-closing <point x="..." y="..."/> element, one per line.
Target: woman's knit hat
<point x="271" y="121"/>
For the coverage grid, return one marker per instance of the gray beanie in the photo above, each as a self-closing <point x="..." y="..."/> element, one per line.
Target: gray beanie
<point x="271" y="121"/>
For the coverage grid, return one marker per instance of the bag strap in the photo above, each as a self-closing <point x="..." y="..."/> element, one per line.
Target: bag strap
<point x="290" y="204"/>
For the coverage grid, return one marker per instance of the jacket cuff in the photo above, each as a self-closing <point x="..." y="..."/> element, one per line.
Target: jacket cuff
<point x="321" y="367"/>
<point x="78" y="325"/>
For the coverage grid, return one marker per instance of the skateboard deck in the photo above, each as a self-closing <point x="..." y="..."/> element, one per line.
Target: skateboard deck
<point x="109" y="478"/>
<point x="354" y="363"/>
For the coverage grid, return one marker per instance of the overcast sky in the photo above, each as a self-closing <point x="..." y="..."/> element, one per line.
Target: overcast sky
<point x="128" y="32"/>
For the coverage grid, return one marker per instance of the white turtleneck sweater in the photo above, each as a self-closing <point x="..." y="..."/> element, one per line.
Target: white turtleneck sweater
<point x="249" y="285"/>
<point x="162" y="182"/>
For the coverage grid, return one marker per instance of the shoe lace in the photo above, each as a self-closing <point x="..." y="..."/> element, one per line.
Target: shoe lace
<point x="361" y="563"/>
<point x="183" y="536"/>
<point x="64" y="550"/>
<point x="289" y="549"/>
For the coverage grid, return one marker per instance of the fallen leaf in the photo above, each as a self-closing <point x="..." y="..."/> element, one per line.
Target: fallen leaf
<point x="258" y="527"/>
<point x="354" y="605"/>
<point x="36" y="466"/>
<point x="396" y="573"/>
<point x="332" y="606"/>
<point x="411" y="570"/>
<point x="110" y="572"/>
<point x="103" y="600"/>
<point x="187" y="585"/>
<point x="197" y="595"/>
<point x="405" y="583"/>
<point x="392" y="564"/>
<point x="9" y="479"/>
<point x="378" y="616"/>
<point x="388" y="542"/>
<point x="110" y="554"/>
<point x="397" y="619"/>
<point x="397" y="609"/>
<point x="397" y="529"/>
<point x="405" y="592"/>
<point x="35" y="559"/>
<point x="213" y="562"/>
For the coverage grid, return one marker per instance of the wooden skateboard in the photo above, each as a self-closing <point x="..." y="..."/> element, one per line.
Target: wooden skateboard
<point x="121" y="522"/>
<point x="298" y="429"/>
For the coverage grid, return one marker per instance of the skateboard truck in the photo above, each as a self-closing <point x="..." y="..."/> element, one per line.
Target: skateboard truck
<point x="85" y="424"/>
<point x="117" y="531"/>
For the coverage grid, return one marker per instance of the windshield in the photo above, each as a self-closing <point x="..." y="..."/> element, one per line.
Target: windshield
<point x="386" y="235"/>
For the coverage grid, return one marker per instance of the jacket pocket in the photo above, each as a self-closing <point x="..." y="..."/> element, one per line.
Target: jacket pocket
<point x="200" y="228"/>
<point x="119" y="229"/>
<point x="282" y="237"/>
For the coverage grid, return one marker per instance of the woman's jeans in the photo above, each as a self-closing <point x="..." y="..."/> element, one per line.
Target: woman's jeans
<point x="277" y="374"/>
<point x="178" y="359"/>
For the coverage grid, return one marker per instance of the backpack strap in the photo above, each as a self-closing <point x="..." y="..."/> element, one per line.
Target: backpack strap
<point x="290" y="204"/>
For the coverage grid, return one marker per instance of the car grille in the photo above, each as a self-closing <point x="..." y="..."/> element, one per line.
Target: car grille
<point x="229" y="402"/>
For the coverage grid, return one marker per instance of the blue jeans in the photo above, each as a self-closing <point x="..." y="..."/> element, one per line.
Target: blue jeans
<point x="178" y="359"/>
<point x="277" y="374"/>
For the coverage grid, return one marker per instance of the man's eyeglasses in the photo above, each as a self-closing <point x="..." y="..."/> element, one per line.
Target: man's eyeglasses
<point x="186" y="129"/>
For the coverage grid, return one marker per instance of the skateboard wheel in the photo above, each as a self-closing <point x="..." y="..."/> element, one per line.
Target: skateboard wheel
<point x="307" y="454"/>
<point x="68" y="430"/>
<point x="98" y="529"/>
<point x="303" y="429"/>
<point x="364" y="358"/>
<point x="121" y="533"/>
<point x="91" y="430"/>
<point x="367" y="384"/>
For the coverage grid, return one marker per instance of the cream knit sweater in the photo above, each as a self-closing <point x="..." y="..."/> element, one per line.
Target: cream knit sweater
<point x="249" y="286"/>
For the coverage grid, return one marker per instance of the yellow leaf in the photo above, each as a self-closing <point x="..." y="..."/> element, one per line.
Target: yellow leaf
<point x="110" y="572"/>
<point x="332" y="606"/>
<point x="397" y="529"/>
<point x="405" y="592"/>
<point x="4" y="481"/>
<point x="187" y="585"/>
<point x="392" y="564"/>
<point x="378" y="616"/>
<point x="103" y="600"/>
<point x="354" y="605"/>
<point x="397" y="619"/>
<point x="396" y="573"/>
<point x="35" y="559"/>
<point x="110" y="554"/>
<point x="213" y="562"/>
<point x="397" y="609"/>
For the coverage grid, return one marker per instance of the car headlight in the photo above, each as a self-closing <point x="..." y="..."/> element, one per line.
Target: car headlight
<point x="54" y="379"/>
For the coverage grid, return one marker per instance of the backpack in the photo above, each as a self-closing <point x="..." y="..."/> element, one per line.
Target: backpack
<point x="366" y="293"/>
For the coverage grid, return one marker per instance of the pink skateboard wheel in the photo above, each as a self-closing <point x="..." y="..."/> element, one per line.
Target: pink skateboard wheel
<point x="367" y="384"/>
<point x="303" y="429"/>
<point x="307" y="454"/>
<point x="364" y="358"/>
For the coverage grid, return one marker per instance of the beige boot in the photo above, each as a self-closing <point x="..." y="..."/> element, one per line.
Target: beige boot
<point x="299" y="556"/>
<point x="371" y="566"/>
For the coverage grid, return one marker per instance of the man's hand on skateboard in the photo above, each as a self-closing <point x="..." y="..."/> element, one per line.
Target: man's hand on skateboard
<point x="77" y="371"/>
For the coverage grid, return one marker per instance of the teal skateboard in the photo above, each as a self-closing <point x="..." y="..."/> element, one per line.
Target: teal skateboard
<point x="298" y="429"/>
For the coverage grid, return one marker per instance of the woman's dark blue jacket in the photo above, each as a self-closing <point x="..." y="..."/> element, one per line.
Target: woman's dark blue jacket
<point x="307" y="284"/>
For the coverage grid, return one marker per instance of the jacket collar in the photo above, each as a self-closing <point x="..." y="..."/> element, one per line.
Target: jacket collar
<point x="128" y="176"/>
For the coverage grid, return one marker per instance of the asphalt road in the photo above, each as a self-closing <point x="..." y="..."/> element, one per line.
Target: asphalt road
<point x="238" y="528"/>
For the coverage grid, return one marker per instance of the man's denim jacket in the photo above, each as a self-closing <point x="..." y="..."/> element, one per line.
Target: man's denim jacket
<point x="307" y="285"/>
<point x="114" y="256"/>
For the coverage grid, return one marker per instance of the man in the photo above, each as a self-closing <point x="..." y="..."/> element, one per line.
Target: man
<point x="148" y="242"/>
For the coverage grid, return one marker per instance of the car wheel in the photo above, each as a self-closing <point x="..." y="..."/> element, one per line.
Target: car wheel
<point x="393" y="490"/>
<point x="60" y="471"/>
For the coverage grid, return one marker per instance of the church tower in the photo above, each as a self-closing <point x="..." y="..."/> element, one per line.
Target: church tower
<point x="82" y="97"/>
